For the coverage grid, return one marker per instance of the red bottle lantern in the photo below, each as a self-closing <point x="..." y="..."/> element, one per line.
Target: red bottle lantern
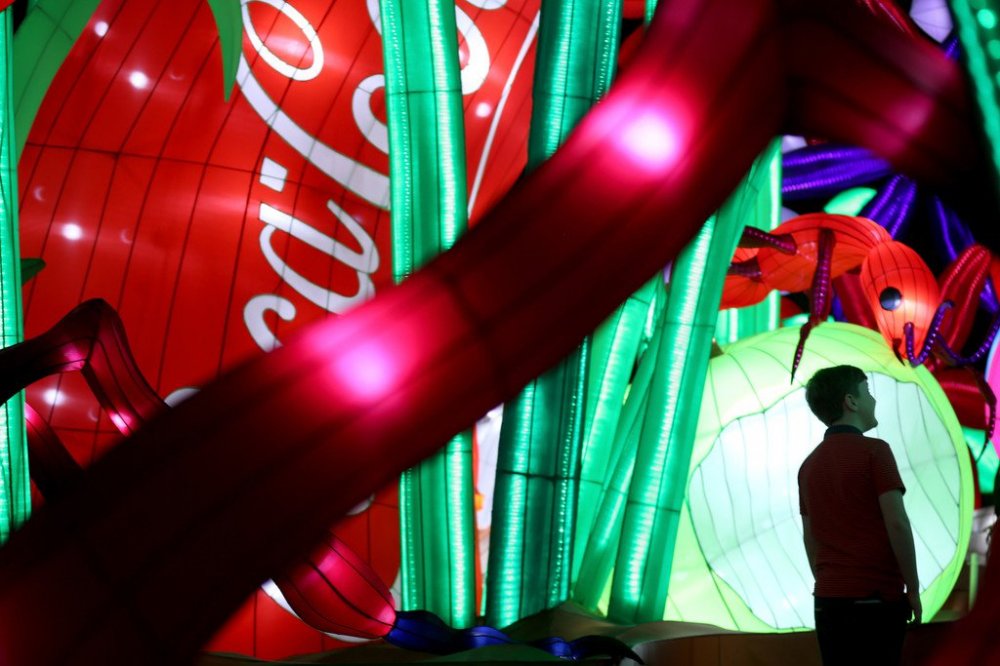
<point x="218" y="229"/>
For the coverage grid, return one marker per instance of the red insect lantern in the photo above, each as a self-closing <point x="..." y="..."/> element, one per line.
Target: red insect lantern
<point x="854" y="237"/>
<point x="743" y="287"/>
<point x="900" y="289"/>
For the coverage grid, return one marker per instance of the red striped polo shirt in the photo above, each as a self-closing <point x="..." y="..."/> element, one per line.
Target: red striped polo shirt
<point x="839" y="486"/>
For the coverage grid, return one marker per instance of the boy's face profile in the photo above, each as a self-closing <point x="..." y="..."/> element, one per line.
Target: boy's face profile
<point x="862" y="402"/>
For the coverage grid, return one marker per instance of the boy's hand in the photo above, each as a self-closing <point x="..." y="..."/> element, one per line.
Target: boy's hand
<point x="913" y="597"/>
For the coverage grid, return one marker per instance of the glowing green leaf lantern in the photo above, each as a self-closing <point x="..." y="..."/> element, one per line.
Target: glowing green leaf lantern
<point x="739" y="561"/>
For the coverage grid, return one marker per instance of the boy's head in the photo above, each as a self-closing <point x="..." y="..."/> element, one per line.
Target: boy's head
<point x="828" y="395"/>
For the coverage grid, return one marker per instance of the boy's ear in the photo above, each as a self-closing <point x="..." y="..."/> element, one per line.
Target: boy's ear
<point x="850" y="402"/>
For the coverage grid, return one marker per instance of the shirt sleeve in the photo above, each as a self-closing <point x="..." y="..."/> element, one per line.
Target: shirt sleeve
<point x="802" y="503"/>
<point x="885" y="474"/>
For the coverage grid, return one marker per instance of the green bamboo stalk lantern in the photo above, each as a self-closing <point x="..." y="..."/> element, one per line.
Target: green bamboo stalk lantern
<point x="428" y="191"/>
<point x="15" y="488"/>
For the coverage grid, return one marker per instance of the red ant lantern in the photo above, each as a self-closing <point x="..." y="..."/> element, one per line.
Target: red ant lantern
<point x="900" y="289"/>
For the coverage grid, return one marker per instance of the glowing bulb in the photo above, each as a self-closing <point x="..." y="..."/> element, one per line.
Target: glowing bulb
<point x="987" y="18"/>
<point x="101" y="28"/>
<point x="72" y="231"/>
<point x="993" y="47"/>
<point x="138" y="80"/>
<point x="483" y="110"/>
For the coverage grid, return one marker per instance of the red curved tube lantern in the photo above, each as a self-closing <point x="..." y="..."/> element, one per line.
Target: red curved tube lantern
<point x="335" y="591"/>
<point x="332" y="589"/>
<point x="962" y="283"/>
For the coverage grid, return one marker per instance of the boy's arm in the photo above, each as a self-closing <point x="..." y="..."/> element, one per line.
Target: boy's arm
<point x="810" y="542"/>
<point x="897" y="525"/>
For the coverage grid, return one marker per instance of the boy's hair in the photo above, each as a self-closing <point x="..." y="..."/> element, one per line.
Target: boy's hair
<point x="826" y="390"/>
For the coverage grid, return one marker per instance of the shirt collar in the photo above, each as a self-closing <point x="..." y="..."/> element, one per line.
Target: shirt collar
<point x="840" y="429"/>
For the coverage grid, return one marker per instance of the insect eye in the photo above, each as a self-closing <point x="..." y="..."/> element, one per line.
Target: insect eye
<point x="890" y="298"/>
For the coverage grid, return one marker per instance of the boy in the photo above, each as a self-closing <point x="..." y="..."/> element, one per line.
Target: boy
<point x="856" y="531"/>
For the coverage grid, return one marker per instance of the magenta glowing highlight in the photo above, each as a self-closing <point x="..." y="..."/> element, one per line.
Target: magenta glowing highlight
<point x="369" y="371"/>
<point x="650" y="141"/>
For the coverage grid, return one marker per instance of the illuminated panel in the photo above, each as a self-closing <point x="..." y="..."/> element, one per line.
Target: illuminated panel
<point x="15" y="487"/>
<point x="740" y="561"/>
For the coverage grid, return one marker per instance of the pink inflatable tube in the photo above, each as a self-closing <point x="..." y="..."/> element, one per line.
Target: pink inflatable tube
<point x="168" y="534"/>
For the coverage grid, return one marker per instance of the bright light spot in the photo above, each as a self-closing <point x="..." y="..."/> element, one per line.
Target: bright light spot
<point x="138" y="80"/>
<point x="649" y="140"/>
<point x="933" y="16"/>
<point x="362" y="506"/>
<point x="987" y="18"/>
<point x="119" y="422"/>
<point x="368" y="371"/>
<point x="72" y="231"/>
<point x="178" y="396"/>
<point x="483" y="110"/>
<point x="849" y="202"/>
<point x="790" y="142"/>
<point x="53" y="397"/>
<point x="101" y="28"/>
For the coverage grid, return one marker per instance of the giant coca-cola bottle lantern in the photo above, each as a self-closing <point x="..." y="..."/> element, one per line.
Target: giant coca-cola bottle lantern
<point x="217" y="229"/>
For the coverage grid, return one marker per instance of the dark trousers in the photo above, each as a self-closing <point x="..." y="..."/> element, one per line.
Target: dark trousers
<point x="858" y="632"/>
